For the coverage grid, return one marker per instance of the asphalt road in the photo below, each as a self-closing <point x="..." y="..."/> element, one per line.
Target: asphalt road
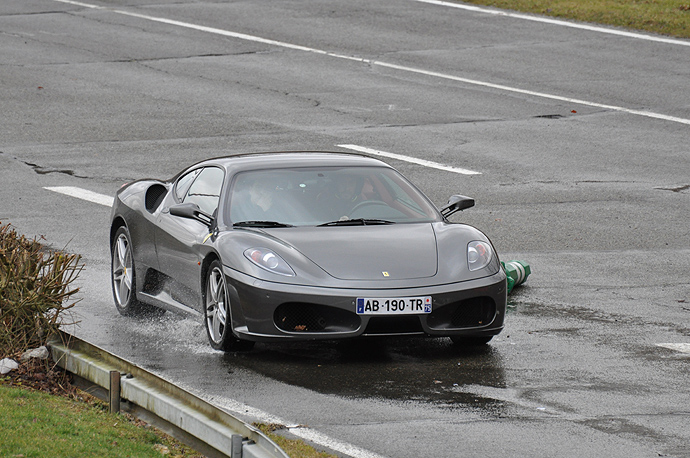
<point x="582" y="143"/>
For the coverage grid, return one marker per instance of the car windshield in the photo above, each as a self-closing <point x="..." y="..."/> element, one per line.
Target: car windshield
<point x="326" y="196"/>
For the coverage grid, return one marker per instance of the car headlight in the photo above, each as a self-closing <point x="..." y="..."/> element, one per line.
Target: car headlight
<point x="479" y="255"/>
<point x="268" y="260"/>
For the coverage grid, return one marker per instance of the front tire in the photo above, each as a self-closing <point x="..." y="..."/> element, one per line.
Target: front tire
<point x="217" y="314"/>
<point x="123" y="279"/>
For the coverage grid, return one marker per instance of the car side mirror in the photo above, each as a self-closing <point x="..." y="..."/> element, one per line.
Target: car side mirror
<point x="191" y="211"/>
<point x="456" y="203"/>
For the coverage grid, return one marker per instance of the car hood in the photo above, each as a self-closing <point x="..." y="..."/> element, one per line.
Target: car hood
<point x="390" y="252"/>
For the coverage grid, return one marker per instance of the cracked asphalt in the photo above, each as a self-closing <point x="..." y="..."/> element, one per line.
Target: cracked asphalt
<point x="585" y="186"/>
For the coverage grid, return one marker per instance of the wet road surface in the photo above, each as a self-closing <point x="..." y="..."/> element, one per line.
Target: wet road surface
<point x="593" y="194"/>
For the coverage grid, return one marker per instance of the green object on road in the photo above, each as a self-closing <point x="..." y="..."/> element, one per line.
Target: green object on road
<point x="517" y="273"/>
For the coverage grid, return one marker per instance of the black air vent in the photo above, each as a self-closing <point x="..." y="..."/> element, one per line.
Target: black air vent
<point x="469" y="313"/>
<point x="303" y="317"/>
<point x="154" y="197"/>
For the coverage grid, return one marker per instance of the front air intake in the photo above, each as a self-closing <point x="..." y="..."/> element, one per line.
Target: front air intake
<point x="304" y="317"/>
<point x="469" y="313"/>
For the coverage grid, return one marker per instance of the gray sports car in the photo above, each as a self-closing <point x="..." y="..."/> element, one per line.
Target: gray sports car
<point x="303" y="245"/>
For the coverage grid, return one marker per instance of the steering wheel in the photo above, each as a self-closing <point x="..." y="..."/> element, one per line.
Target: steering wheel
<point x="367" y="203"/>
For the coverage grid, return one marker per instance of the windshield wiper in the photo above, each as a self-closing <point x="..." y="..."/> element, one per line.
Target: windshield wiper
<point x="261" y="224"/>
<point x="357" y="222"/>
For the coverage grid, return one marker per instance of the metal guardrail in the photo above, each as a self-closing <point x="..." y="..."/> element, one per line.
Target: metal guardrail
<point x="129" y="388"/>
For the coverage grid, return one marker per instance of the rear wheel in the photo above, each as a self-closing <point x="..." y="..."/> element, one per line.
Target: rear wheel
<point x="217" y="314"/>
<point x="123" y="279"/>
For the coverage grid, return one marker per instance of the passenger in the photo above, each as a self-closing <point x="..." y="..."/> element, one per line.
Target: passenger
<point x="262" y="202"/>
<point x="261" y="194"/>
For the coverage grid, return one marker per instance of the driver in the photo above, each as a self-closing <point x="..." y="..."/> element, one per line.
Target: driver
<point x="346" y="193"/>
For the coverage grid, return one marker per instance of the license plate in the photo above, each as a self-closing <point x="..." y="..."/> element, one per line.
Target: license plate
<point x="393" y="305"/>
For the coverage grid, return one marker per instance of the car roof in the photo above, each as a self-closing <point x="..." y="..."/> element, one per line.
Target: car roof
<point x="289" y="159"/>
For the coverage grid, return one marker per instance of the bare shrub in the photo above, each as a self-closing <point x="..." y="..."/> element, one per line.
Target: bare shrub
<point x="35" y="288"/>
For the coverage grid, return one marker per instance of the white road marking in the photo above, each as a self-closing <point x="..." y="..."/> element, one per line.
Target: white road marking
<point x="316" y="437"/>
<point x="83" y="194"/>
<point x="679" y="347"/>
<point x="414" y="160"/>
<point x="500" y="87"/>
<point x="547" y="20"/>
<point x="304" y="432"/>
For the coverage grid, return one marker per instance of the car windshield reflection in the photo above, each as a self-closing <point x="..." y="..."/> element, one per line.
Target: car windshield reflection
<point x="326" y="196"/>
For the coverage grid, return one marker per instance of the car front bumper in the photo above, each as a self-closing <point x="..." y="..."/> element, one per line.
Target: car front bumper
<point x="267" y="311"/>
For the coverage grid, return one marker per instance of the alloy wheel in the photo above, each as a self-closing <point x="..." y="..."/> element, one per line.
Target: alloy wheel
<point x="122" y="270"/>
<point x="216" y="306"/>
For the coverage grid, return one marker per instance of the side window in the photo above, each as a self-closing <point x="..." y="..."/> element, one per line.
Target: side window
<point x="184" y="183"/>
<point x="205" y="191"/>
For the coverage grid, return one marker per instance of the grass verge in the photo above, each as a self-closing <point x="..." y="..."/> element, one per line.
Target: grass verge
<point x="42" y="414"/>
<point x="38" y="424"/>
<point x="666" y="17"/>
